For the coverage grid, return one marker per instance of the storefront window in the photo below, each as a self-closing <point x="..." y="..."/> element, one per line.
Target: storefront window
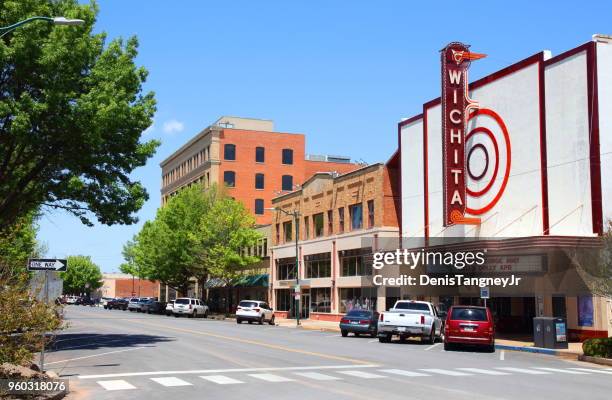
<point x="283" y="300"/>
<point x="320" y="300"/>
<point x="356" y="262"/>
<point x="285" y="269"/>
<point x="318" y="265"/>
<point x="357" y="299"/>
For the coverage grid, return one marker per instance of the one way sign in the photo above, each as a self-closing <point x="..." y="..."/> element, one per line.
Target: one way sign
<point x="47" y="264"/>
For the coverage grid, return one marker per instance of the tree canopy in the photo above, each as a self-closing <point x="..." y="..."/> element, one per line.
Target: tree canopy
<point x="72" y="112"/>
<point x="82" y="276"/>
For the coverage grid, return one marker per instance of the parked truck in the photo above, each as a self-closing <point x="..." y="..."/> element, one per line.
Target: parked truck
<point x="409" y="318"/>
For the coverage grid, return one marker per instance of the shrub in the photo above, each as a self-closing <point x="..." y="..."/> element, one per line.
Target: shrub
<point x="601" y="347"/>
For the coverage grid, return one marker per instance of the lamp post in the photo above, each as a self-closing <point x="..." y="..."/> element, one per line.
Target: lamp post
<point x="54" y="20"/>
<point x="295" y="214"/>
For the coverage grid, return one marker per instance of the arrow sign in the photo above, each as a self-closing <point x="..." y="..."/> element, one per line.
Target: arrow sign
<point x="47" y="264"/>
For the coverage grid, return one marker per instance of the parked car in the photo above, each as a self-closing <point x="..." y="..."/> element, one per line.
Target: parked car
<point x="254" y="310"/>
<point x="470" y="325"/>
<point x="117" y="304"/>
<point x="410" y="318"/>
<point x="190" y="307"/>
<point x="169" y="307"/>
<point x="104" y="301"/>
<point x="152" y="306"/>
<point x="134" y="304"/>
<point x="359" y="322"/>
<point x="70" y="299"/>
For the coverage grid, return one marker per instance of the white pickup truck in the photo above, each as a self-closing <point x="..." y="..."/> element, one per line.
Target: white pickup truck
<point x="410" y="318"/>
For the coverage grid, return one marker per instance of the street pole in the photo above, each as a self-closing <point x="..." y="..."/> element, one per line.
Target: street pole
<point x="297" y="266"/>
<point x="55" y="20"/>
<point x="44" y="335"/>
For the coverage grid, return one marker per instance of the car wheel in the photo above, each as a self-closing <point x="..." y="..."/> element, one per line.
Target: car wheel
<point x="384" y="339"/>
<point x="238" y="321"/>
<point x="205" y="314"/>
<point x="271" y="322"/>
<point x="195" y="314"/>
<point x="261" y="320"/>
<point x="344" y="333"/>
<point x="432" y="337"/>
<point x="176" y="315"/>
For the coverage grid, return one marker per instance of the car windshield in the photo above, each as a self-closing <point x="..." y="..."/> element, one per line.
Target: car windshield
<point x="359" y="314"/>
<point x="412" y="306"/>
<point x="181" y="301"/>
<point x="469" y="314"/>
<point x="248" y="304"/>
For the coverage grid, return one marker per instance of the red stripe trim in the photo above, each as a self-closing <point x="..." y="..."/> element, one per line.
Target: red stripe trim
<point x="426" y="177"/>
<point x="595" y="162"/>
<point x="543" y="151"/>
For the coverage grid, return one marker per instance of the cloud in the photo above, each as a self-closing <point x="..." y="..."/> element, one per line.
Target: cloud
<point x="173" y="126"/>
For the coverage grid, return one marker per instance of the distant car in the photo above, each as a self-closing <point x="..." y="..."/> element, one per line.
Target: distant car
<point x="359" y="322"/>
<point x="254" y="310"/>
<point x="104" y="301"/>
<point x="469" y="325"/>
<point x="151" y="306"/>
<point x="70" y="299"/>
<point x="117" y="304"/>
<point x="134" y="304"/>
<point x="189" y="307"/>
<point x="169" y="307"/>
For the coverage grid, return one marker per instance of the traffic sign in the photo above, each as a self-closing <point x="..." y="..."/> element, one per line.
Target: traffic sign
<point x="47" y="264"/>
<point x="484" y="293"/>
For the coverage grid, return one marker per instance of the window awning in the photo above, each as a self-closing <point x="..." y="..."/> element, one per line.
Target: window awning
<point x="243" y="281"/>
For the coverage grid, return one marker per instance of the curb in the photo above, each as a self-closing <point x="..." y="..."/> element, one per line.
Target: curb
<point x="596" y="360"/>
<point x="538" y="350"/>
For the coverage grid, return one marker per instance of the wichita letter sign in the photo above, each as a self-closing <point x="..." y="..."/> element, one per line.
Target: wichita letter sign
<point x="456" y="106"/>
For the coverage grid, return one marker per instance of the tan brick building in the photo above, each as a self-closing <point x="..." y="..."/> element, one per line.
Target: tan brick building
<point x="342" y="220"/>
<point x="124" y="285"/>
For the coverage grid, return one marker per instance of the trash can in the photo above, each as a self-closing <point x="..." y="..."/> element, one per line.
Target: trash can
<point x="550" y="332"/>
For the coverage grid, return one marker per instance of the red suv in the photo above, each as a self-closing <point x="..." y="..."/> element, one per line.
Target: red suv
<point x="469" y="325"/>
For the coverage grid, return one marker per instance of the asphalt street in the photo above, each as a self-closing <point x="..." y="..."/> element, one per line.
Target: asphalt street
<point x="122" y="355"/>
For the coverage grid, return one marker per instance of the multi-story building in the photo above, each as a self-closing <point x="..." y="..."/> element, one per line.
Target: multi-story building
<point x="250" y="158"/>
<point x="126" y="285"/>
<point x="342" y="220"/>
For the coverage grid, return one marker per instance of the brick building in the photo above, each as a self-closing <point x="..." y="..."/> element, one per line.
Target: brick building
<point x="250" y="158"/>
<point x="124" y="285"/>
<point x="342" y="220"/>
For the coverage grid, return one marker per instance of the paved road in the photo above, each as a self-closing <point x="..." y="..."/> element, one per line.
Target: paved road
<point x="123" y="355"/>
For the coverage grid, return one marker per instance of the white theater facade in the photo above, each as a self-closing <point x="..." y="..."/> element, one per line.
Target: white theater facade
<point x="528" y="167"/>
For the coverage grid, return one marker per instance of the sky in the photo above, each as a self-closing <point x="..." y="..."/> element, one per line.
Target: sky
<point x="342" y="72"/>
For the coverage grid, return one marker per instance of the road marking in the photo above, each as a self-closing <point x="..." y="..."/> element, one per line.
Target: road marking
<point x="271" y="377"/>
<point x="524" y="371"/>
<point x="361" y="374"/>
<point x="221" y="379"/>
<point x="318" y="376"/>
<point x="373" y="340"/>
<point x="599" y="371"/>
<point x="95" y="355"/>
<point x="432" y="346"/>
<point x="565" y="371"/>
<point x="444" y="372"/>
<point x="403" y="372"/>
<point x="502" y="355"/>
<point x="116" y="385"/>
<point x="218" y="371"/>
<point x="483" y="371"/>
<point x="171" y="381"/>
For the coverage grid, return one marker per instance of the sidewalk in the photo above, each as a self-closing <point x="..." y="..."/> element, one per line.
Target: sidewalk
<point x="573" y="351"/>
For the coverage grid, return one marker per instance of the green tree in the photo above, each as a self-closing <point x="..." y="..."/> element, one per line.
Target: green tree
<point x="82" y="276"/>
<point x="72" y="112"/>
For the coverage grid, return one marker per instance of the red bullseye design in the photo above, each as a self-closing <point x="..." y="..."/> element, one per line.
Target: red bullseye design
<point x="492" y="114"/>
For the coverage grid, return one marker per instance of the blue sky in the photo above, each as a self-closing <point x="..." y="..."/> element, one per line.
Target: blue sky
<point x="342" y="72"/>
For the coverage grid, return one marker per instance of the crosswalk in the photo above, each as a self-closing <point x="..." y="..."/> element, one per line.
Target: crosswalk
<point x="338" y="375"/>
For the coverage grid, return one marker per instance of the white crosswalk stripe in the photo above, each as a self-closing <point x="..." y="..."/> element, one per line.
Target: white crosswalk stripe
<point x="445" y="372"/>
<point x="483" y="371"/>
<point x="171" y="381"/>
<point x="118" y="384"/>
<point x="317" y="376"/>
<point x="221" y="379"/>
<point x="564" y="371"/>
<point x="524" y="371"/>
<point x="271" y="377"/>
<point x="597" y="371"/>
<point x="361" y="374"/>
<point x="403" y="372"/>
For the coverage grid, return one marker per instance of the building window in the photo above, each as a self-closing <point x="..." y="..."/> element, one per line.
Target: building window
<point x="229" y="178"/>
<point x="320" y="300"/>
<point x="277" y="231"/>
<point x="285" y="269"/>
<point x="259" y="206"/>
<point x="306" y="228"/>
<point x="287" y="231"/>
<point x="260" y="154"/>
<point x="330" y="222"/>
<point x="318" y="265"/>
<point x="287" y="182"/>
<point x="283" y="299"/>
<point x="370" y="214"/>
<point x="356" y="215"/>
<point x="259" y="181"/>
<point x="341" y="219"/>
<point x="287" y="156"/>
<point x="229" y="152"/>
<point x="357" y="299"/>
<point x="317" y="221"/>
<point x="356" y="262"/>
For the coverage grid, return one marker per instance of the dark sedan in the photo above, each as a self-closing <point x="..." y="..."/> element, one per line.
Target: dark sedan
<point x="359" y="322"/>
<point x="117" y="304"/>
<point x="151" y="306"/>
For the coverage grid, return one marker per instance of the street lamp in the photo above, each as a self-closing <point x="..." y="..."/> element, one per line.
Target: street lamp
<point x="54" y="20"/>
<point x="295" y="214"/>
